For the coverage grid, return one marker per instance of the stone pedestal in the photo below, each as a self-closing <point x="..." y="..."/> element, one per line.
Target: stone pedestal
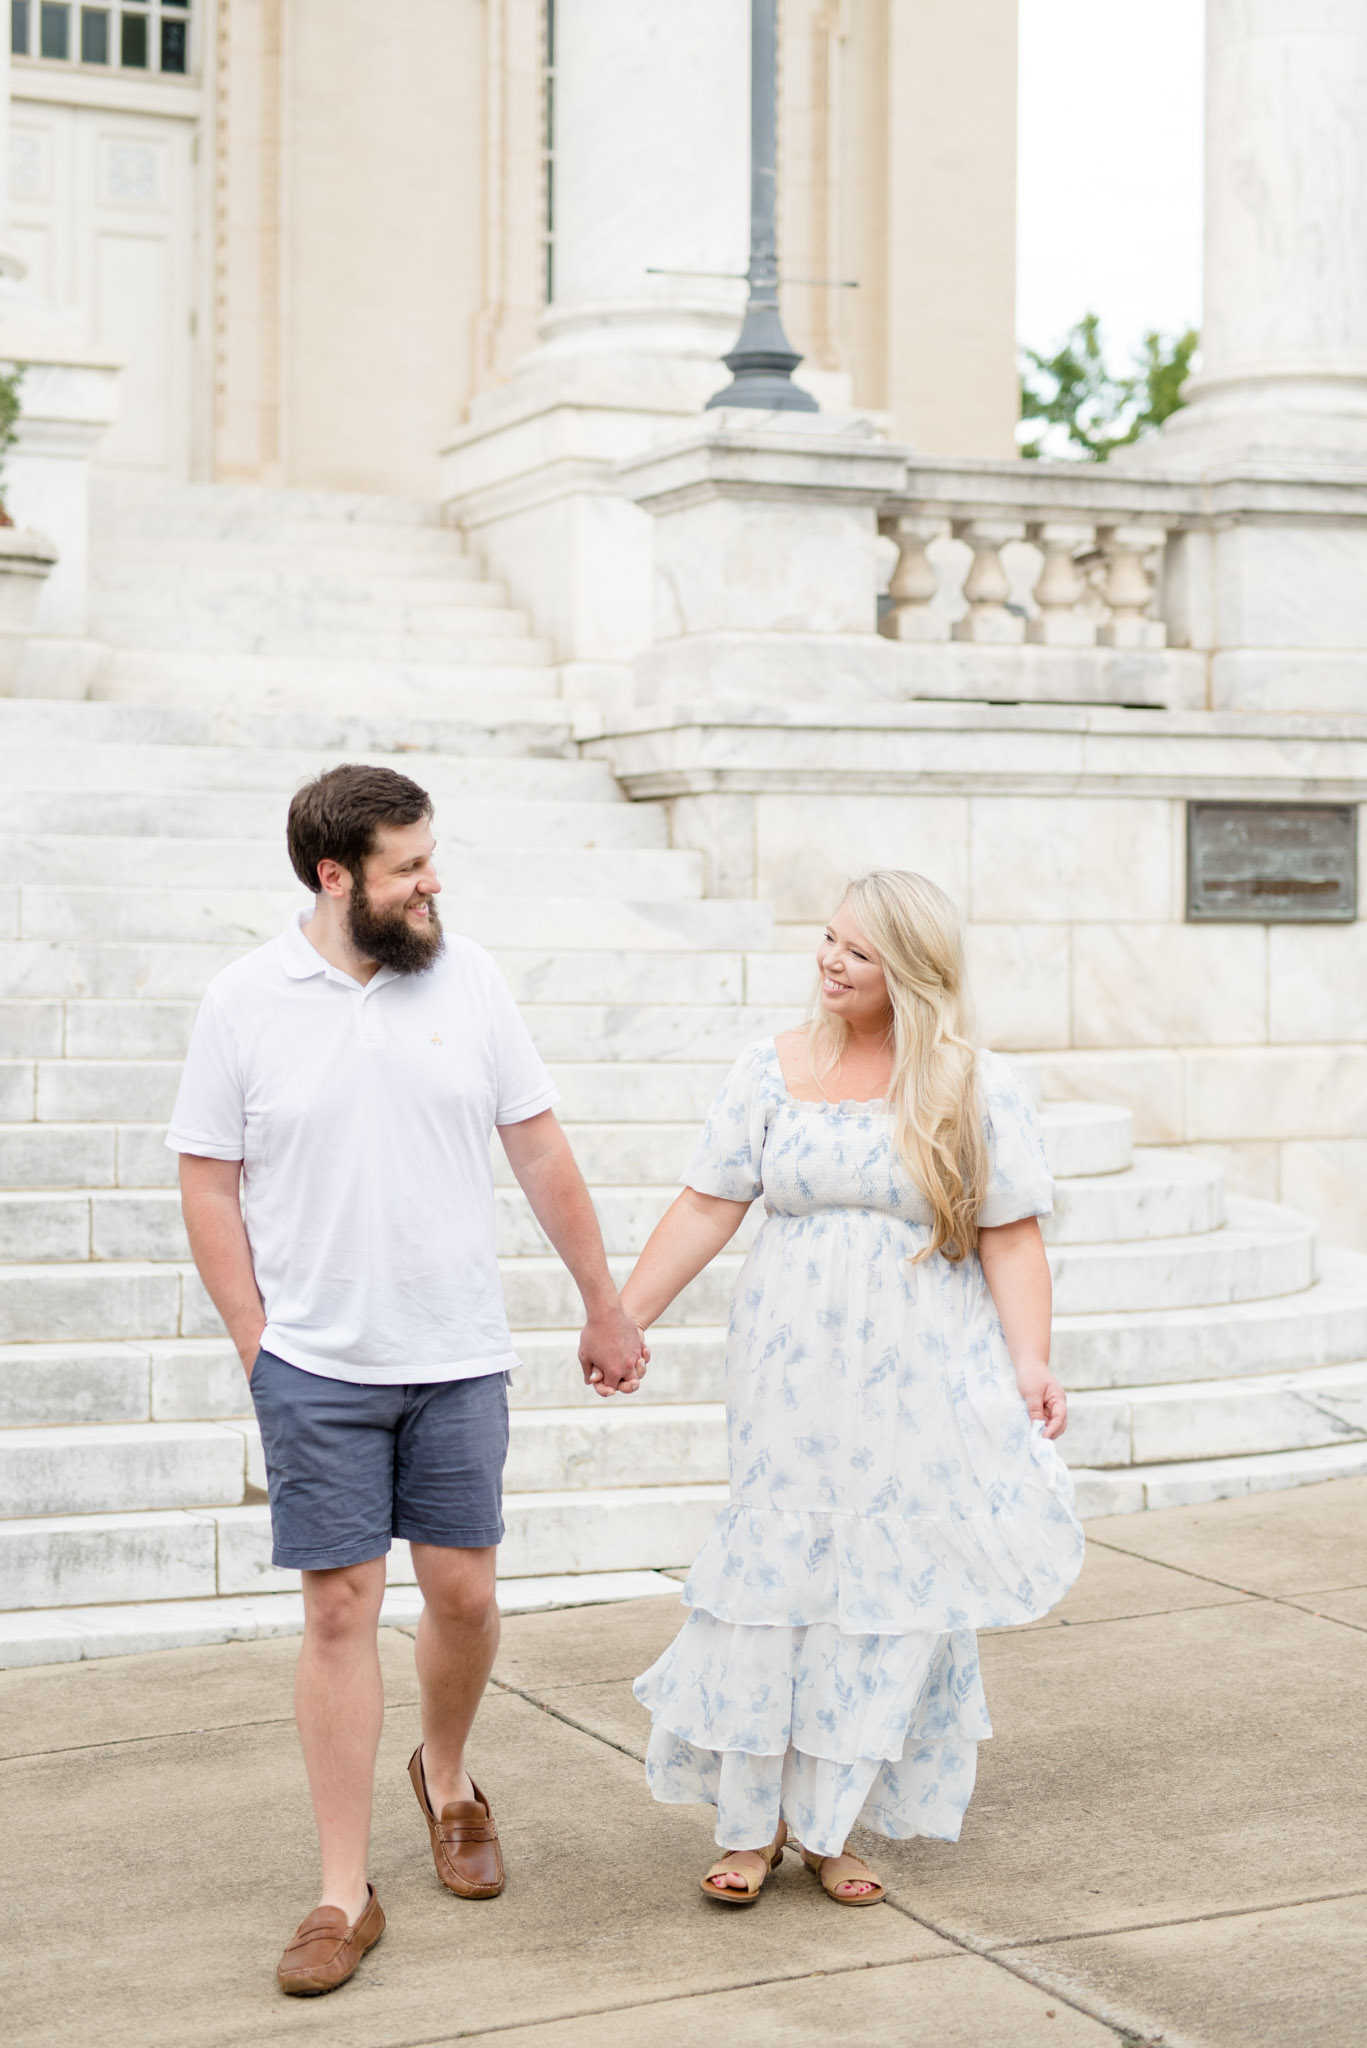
<point x="765" y="568"/>
<point x="69" y="396"/>
<point x="25" y="561"/>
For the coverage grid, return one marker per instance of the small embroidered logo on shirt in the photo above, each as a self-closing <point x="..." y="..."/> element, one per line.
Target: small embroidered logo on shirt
<point x="435" y="1039"/>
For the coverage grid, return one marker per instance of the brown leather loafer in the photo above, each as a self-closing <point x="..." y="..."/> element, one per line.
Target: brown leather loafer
<point x="325" y="1951"/>
<point x="464" y="1841"/>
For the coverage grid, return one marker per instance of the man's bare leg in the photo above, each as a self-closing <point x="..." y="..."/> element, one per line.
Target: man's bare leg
<point x="339" y="1708"/>
<point x="457" y="1642"/>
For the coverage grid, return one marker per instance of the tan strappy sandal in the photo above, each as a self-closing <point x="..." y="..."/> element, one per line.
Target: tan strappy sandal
<point x="833" y="1871"/>
<point x="754" y="1880"/>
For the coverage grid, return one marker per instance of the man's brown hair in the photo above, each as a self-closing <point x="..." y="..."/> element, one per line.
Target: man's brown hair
<point x="336" y="816"/>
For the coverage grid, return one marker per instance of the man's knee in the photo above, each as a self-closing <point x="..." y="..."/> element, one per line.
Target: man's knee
<point x="458" y="1587"/>
<point x="343" y="1603"/>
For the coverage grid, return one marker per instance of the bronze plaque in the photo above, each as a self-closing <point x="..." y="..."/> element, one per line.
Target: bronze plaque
<point x="1271" y="863"/>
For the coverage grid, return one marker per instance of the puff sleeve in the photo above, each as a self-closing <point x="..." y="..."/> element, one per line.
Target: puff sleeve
<point x="1021" y="1184"/>
<point x="728" y="1157"/>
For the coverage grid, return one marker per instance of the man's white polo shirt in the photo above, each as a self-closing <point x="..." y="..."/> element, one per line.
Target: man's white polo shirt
<point x="363" y="1116"/>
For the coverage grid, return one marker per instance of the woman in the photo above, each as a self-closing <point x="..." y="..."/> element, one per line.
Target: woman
<point x="890" y="1411"/>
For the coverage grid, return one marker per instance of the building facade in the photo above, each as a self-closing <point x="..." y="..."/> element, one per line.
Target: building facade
<point x="315" y="230"/>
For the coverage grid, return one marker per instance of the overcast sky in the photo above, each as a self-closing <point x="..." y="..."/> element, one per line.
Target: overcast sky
<point x="1110" y="168"/>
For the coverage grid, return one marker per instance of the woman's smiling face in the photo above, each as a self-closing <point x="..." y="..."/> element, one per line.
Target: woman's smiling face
<point x="853" y="985"/>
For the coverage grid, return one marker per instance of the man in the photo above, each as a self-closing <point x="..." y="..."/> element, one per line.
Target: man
<point x="345" y="1079"/>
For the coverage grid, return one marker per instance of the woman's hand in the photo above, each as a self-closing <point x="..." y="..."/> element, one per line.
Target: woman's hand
<point x="1044" y="1397"/>
<point x="593" y="1374"/>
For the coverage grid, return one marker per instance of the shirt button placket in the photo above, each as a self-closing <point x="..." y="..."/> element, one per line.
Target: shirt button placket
<point x="371" y="1037"/>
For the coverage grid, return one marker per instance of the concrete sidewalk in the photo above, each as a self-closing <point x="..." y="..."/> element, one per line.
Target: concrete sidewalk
<point x="1169" y="1838"/>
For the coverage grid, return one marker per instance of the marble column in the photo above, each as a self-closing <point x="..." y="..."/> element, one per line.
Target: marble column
<point x="1284" y="333"/>
<point x="650" y="169"/>
<point x="649" y="180"/>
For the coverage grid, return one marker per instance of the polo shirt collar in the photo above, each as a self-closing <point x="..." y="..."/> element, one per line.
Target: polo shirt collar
<point x="302" y="960"/>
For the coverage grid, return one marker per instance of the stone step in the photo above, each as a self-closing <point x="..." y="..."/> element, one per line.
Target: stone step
<point x="185" y="1379"/>
<point x="1084" y="1138"/>
<point x="600" y="1444"/>
<point x="210" y="654"/>
<point x="244" y="617"/>
<point x="69" y="1091"/>
<point x="91" y="1302"/>
<point x="1202" y="1479"/>
<point x="520" y="922"/>
<point x="264" y="584"/>
<point x="1263" y="1251"/>
<point x="142" y="1224"/>
<point x="159" y="750"/>
<point x="1324" y="1325"/>
<point x="43" y="970"/>
<point x="200" y="1380"/>
<point x="80" y="1560"/>
<point x="1163" y="1194"/>
<point x="179" y="1554"/>
<point x="357" y="564"/>
<point x="62" y="1635"/>
<point x="540" y="1295"/>
<point x="195" y="514"/>
<point x="214" y="868"/>
<point x="515" y="735"/>
<point x="623" y="1091"/>
<point x="96" y="1155"/>
<point x="122" y="1301"/>
<point x="1219" y="1418"/>
<point x="626" y="1031"/>
<point x="245" y="821"/>
<point x="110" y="1468"/>
<point x="97" y="1469"/>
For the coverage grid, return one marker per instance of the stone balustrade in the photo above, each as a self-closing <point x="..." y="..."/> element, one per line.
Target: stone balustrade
<point x="996" y="554"/>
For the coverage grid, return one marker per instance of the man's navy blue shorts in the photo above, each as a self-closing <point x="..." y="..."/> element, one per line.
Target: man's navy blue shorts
<point x="350" y="1467"/>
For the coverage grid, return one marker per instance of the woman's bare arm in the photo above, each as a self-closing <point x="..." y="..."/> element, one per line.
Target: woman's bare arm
<point x="1017" y="1274"/>
<point x="687" y="1237"/>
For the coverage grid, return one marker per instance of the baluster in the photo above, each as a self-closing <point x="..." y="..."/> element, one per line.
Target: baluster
<point x="1062" y="585"/>
<point x="914" y="581"/>
<point x="1131" y="554"/>
<point x="987" y="586"/>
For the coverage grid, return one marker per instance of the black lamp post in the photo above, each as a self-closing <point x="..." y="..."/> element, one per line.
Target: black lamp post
<point x="763" y="359"/>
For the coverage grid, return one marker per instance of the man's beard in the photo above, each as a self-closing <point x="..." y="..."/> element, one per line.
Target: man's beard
<point x="387" y="938"/>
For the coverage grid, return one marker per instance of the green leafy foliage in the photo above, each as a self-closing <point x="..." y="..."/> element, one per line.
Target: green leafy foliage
<point x="10" y="382"/>
<point x="1075" y="390"/>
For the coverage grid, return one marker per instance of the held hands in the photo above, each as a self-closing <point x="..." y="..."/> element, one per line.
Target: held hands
<point x="1044" y="1398"/>
<point x="612" y="1352"/>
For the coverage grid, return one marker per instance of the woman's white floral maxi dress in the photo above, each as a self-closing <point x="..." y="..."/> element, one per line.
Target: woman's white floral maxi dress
<point x="889" y="1495"/>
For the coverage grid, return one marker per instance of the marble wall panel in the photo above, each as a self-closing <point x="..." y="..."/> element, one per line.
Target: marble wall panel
<point x="1277" y="1092"/>
<point x="1169" y="984"/>
<point x="1019" y="977"/>
<point x="1149" y="1083"/>
<point x="807" y="846"/>
<point x="1293" y="587"/>
<point x="764" y="566"/>
<point x="1327" y="1177"/>
<point x="1317" y="983"/>
<point x="1080" y="860"/>
<point x="1252" y="1168"/>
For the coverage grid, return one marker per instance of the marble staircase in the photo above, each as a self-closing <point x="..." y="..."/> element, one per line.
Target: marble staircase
<point x="1210" y="1346"/>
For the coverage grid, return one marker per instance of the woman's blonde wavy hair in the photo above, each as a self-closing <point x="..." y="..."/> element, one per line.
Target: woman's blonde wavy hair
<point x="937" y="1131"/>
